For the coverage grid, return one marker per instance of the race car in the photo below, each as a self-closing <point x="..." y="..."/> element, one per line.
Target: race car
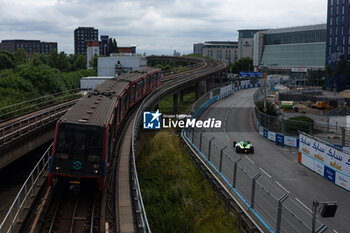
<point x="243" y="147"/>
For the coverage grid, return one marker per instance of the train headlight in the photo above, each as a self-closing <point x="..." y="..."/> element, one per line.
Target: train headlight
<point x="96" y="171"/>
<point x="58" y="168"/>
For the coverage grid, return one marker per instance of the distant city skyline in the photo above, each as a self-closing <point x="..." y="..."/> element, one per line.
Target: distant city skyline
<point x="156" y="27"/>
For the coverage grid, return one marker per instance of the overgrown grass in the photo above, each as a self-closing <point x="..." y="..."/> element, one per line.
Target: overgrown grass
<point x="177" y="197"/>
<point x="166" y="105"/>
<point x="299" y="123"/>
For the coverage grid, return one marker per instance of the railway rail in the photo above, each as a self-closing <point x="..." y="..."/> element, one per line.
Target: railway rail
<point x="10" y="131"/>
<point x="78" y="223"/>
<point x="72" y="212"/>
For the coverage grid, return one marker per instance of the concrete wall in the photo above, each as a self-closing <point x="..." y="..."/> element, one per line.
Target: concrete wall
<point x="25" y="144"/>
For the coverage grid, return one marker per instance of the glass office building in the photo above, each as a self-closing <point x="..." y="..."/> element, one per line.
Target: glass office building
<point x="295" y="47"/>
<point x="338" y="31"/>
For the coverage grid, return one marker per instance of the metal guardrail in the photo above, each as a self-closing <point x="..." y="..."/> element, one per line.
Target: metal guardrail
<point x="189" y="67"/>
<point x="265" y="200"/>
<point x="33" y="104"/>
<point x="140" y="206"/>
<point x="29" y="124"/>
<point x="10" y="220"/>
<point x="26" y="194"/>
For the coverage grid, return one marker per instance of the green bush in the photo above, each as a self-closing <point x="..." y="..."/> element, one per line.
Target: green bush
<point x="22" y="80"/>
<point x="271" y="109"/>
<point x="177" y="197"/>
<point x="301" y="123"/>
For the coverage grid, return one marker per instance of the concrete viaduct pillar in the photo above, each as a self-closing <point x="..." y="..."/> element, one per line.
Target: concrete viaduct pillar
<point x="175" y="103"/>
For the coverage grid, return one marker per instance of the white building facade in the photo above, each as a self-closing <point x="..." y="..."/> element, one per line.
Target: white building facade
<point x="119" y="63"/>
<point x="226" y="51"/>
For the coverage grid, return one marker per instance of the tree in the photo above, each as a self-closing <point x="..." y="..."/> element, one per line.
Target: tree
<point x="62" y="62"/>
<point x="340" y="67"/>
<point x="112" y="46"/>
<point x="44" y="78"/>
<point x="79" y="63"/>
<point x="115" y="46"/>
<point x="93" y="63"/>
<point x="20" y="56"/>
<point x="338" y="75"/>
<point x="59" y="61"/>
<point x="243" y="64"/>
<point x="315" y="77"/>
<point x="6" y="60"/>
<point x="52" y="57"/>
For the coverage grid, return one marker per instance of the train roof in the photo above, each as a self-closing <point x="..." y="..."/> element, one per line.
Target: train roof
<point x="132" y="76"/>
<point x="96" y="107"/>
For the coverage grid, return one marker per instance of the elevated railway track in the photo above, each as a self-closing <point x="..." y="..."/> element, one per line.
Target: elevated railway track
<point x="131" y="200"/>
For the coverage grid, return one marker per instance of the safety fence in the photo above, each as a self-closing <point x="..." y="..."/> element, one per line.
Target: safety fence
<point x="286" y="131"/>
<point x="14" y="110"/>
<point x="263" y="198"/>
<point x="26" y="194"/>
<point x="32" y="123"/>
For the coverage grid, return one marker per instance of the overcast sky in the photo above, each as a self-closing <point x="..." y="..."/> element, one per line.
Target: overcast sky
<point x="155" y="26"/>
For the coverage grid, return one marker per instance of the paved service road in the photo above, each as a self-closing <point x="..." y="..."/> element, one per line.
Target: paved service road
<point x="280" y="172"/>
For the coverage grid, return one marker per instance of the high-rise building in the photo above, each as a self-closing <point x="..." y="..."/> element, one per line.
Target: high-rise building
<point x="291" y="51"/>
<point x="338" y="31"/>
<point x="30" y="46"/>
<point x="245" y="42"/>
<point x="104" y="45"/>
<point x="198" y="48"/>
<point x="81" y="36"/>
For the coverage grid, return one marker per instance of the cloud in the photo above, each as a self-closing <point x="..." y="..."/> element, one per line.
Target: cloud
<point x="156" y="26"/>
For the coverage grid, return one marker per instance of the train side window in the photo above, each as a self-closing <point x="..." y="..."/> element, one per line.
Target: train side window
<point x="94" y="158"/>
<point x="61" y="156"/>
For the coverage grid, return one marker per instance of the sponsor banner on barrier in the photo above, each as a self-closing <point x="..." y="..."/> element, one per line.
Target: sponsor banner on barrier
<point x="265" y="133"/>
<point x="261" y="130"/>
<point x="280" y="138"/>
<point x="342" y="181"/>
<point x="290" y="141"/>
<point x="331" y="157"/>
<point x="319" y="167"/>
<point x="227" y="90"/>
<point x="307" y="161"/>
<point x="271" y="136"/>
<point x="346" y="149"/>
<point x="329" y="174"/>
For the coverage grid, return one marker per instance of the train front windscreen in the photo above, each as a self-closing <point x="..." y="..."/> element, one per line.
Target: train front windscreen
<point x="78" y="150"/>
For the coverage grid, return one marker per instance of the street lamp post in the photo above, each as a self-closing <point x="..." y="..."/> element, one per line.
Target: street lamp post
<point x="263" y="68"/>
<point x="265" y="109"/>
<point x="328" y="210"/>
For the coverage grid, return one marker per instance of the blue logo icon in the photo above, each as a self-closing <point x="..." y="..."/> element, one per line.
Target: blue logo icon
<point x="151" y="120"/>
<point x="77" y="165"/>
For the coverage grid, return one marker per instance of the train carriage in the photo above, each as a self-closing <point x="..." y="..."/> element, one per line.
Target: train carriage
<point x="85" y="135"/>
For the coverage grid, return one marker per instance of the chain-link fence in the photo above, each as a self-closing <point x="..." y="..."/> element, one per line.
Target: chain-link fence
<point x="323" y="127"/>
<point x="265" y="199"/>
<point x="259" y="192"/>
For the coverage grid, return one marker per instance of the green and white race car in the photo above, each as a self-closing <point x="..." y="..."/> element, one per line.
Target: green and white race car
<point x="243" y="147"/>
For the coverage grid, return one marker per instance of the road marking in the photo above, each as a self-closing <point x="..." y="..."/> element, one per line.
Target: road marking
<point x="249" y="159"/>
<point x="303" y="205"/>
<point x="265" y="172"/>
<point x="335" y="231"/>
<point x="282" y="187"/>
<point x="228" y="138"/>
